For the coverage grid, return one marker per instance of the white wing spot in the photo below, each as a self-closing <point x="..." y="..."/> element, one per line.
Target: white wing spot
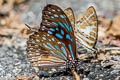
<point x="59" y="42"/>
<point x="37" y="40"/>
<point x="36" y="45"/>
<point x="49" y="39"/>
<point x="44" y="38"/>
<point x="53" y="39"/>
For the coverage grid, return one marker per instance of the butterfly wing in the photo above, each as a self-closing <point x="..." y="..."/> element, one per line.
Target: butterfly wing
<point x="56" y="23"/>
<point x="46" y="51"/>
<point x="54" y="43"/>
<point x="86" y="29"/>
<point x="70" y="15"/>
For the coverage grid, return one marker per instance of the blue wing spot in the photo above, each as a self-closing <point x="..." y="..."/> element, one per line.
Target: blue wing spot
<point x="62" y="32"/>
<point x="61" y="24"/>
<point x="55" y="23"/>
<point x="61" y="54"/>
<point x="70" y="47"/>
<point x="52" y="17"/>
<point x="56" y="46"/>
<point x="50" y="45"/>
<point x="52" y="29"/>
<point x="48" y="24"/>
<point x="50" y="32"/>
<point x="68" y="37"/>
<point x="46" y="46"/>
<point x="55" y="15"/>
<point x="57" y="29"/>
<point x="66" y="26"/>
<point x="63" y="49"/>
<point x="59" y="36"/>
<point x="62" y="43"/>
<point x="70" y="29"/>
<point x="62" y="16"/>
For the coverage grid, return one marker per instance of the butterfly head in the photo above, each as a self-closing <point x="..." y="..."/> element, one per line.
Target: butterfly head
<point x="70" y="63"/>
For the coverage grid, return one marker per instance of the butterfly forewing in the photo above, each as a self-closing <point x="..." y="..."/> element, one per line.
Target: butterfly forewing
<point x="70" y="15"/>
<point x="53" y="44"/>
<point x="56" y="23"/>
<point x="86" y="29"/>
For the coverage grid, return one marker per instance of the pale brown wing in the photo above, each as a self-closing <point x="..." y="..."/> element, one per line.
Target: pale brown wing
<point x="70" y="15"/>
<point x="86" y="29"/>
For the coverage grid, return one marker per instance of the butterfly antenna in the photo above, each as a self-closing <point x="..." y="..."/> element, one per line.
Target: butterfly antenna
<point x="29" y="27"/>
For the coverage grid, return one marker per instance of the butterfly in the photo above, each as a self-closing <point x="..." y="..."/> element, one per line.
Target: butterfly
<point x="86" y="29"/>
<point x="54" y="44"/>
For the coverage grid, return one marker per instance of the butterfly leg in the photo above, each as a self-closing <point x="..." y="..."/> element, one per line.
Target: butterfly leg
<point x="28" y="78"/>
<point x="75" y="74"/>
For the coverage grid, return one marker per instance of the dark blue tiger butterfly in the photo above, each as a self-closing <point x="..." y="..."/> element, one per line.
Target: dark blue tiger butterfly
<point x="54" y="44"/>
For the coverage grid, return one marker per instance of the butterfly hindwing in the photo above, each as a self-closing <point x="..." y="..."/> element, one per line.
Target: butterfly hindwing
<point x="86" y="29"/>
<point x="45" y="50"/>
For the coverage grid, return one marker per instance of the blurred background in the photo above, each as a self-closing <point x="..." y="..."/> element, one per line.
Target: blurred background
<point x="14" y="34"/>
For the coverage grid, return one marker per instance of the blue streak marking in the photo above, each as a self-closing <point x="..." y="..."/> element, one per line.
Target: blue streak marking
<point x="50" y="45"/>
<point x="66" y="26"/>
<point x="61" y="24"/>
<point x="52" y="29"/>
<point x="46" y="46"/>
<point x="70" y="29"/>
<point x="52" y="17"/>
<point x="63" y="49"/>
<point x="62" y="16"/>
<point x="71" y="50"/>
<point x="61" y="54"/>
<point x="55" y="23"/>
<point x="50" y="32"/>
<point x="55" y="54"/>
<point x="57" y="47"/>
<point x="62" y="32"/>
<point x="62" y="43"/>
<point x="59" y="36"/>
<point x="48" y="24"/>
<point x="68" y="37"/>
<point x="57" y="29"/>
<point x="55" y="15"/>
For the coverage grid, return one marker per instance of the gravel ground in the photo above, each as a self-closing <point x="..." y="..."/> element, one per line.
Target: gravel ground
<point x="14" y="62"/>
